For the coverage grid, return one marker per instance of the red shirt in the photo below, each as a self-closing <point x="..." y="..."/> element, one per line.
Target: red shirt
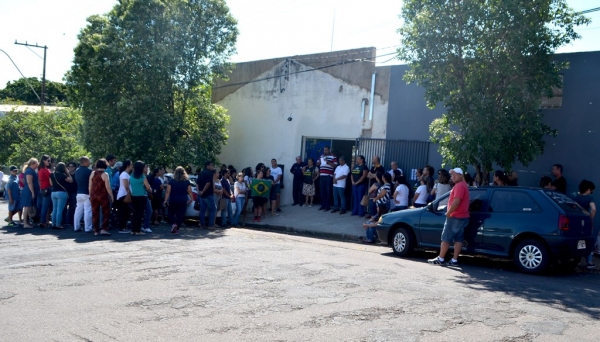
<point x="44" y="177"/>
<point x="460" y="190"/>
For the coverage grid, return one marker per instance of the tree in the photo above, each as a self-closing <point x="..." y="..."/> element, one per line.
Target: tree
<point x="33" y="134"/>
<point x="142" y="76"/>
<point x="489" y="62"/>
<point x="20" y="90"/>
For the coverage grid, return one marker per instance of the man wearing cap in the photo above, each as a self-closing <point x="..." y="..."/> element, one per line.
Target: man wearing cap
<point x="457" y="218"/>
<point x="14" y="196"/>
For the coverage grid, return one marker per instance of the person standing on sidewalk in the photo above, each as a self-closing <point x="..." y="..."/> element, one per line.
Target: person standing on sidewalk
<point x="84" y="206"/>
<point x="30" y="192"/>
<point x="326" y="164"/>
<point x="277" y="174"/>
<point x="359" y="180"/>
<point x="586" y="201"/>
<point x="339" y="186"/>
<point x="13" y="192"/>
<point x="100" y="197"/>
<point x="296" y="170"/>
<point x="457" y="218"/>
<point x="206" y="195"/>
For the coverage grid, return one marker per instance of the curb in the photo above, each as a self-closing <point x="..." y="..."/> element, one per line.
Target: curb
<point x="303" y="232"/>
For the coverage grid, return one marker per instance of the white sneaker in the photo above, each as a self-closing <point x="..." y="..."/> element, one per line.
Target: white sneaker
<point x="147" y="230"/>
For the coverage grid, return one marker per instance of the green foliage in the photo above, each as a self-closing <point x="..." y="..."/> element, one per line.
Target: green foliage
<point x="141" y="75"/>
<point x="20" y="91"/>
<point x="32" y="134"/>
<point x="489" y="62"/>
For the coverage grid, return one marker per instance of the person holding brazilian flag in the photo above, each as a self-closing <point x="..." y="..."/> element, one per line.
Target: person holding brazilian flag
<point x="260" y="191"/>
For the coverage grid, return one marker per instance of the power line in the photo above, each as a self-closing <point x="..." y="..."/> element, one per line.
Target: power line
<point x="590" y="10"/>
<point x="303" y="71"/>
<point x="24" y="78"/>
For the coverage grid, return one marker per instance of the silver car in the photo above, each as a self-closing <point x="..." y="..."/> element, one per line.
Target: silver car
<point x="190" y="212"/>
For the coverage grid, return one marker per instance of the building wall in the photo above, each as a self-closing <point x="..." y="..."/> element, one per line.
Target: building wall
<point x="319" y="104"/>
<point x="577" y="121"/>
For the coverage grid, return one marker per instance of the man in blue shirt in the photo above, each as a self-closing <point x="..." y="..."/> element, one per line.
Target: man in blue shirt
<point x="84" y="206"/>
<point x="111" y="160"/>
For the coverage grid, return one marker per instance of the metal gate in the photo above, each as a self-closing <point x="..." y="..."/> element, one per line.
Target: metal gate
<point x="410" y="155"/>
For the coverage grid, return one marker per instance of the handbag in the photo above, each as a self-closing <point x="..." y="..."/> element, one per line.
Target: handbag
<point x="365" y="201"/>
<point x="196" y="205"/>
<point x="32" y="211"/>
<point x="45" y="192"/>
<point x="222" y="204"/>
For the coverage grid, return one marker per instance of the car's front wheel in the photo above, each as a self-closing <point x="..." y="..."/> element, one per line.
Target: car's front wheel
<point x="531" y="256"/>
<point x="402" y="242"/>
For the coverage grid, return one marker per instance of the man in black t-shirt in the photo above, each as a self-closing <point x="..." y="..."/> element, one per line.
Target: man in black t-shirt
<point x="377" y="167"/>
<point x="559" y="183"/>
<point x="359" y="185"/>
<point x="206" y="195"/>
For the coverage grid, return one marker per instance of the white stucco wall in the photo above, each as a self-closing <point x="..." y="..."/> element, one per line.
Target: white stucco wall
<point x="259" y="129"/>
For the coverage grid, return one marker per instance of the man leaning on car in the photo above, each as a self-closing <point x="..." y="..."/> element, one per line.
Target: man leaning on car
<point x="457" y="218"/>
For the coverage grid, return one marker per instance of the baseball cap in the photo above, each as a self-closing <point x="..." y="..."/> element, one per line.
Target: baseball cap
<point x="12" y="168"/>
<point x="118" y="165"/>
<point x="457" y="170"/>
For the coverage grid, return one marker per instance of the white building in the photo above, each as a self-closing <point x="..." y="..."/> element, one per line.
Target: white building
<point x="287" y="107"/>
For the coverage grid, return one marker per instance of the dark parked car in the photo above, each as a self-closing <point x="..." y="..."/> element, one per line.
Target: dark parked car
<point x="533" y="226"/>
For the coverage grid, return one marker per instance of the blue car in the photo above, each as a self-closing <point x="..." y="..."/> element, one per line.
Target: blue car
<point x="535" y="227"/>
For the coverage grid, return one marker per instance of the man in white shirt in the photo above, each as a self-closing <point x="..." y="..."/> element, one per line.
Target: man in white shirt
<point x="339" y="186"/>
<point x="277" y="174"/>
<point x="395" y="167"/>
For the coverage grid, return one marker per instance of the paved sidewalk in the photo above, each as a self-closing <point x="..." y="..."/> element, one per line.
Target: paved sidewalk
<point x="312" y="222"/>
<point x="292" y="220"/>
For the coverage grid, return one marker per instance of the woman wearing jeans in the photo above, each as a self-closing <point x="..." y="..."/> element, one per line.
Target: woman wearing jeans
<point x="239" y="191"/>
<point x="59" y="179"/>
<point x="178" y="197"/>
<point x="44" y="200"/>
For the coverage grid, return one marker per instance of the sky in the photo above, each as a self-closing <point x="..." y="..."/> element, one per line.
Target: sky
<point x="268" y="29"/>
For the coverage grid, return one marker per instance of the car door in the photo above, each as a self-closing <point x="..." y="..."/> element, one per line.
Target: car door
<point x="434" y="216"/>
<point x="512" y="211"/>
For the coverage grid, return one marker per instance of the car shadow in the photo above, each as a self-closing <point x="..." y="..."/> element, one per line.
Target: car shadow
<point x="158" y="233"/>
<point x="576" y="290"/>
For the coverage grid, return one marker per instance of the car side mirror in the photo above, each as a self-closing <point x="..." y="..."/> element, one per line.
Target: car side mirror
<point x="430" y="207"/>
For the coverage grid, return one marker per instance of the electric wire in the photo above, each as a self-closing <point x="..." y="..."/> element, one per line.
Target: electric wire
<point x="367" y="59"/>
<point x="25" y="78"/>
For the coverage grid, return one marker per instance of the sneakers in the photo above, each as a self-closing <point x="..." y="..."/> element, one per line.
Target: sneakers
<point x="590" y="266"/>
<point x="124" y="231"/>
<point x="12" y="224"/>
<point x="452" y="263"/>
<point x="435" y="261"/>
<point x="147" y="230"/>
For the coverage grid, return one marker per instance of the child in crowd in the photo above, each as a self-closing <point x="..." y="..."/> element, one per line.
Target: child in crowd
<point x="13" y="192"/>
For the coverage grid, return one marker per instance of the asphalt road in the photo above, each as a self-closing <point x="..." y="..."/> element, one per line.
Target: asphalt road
<point x="245" y="285"/>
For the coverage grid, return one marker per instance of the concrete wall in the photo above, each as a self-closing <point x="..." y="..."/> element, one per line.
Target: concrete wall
<point x="320" y="105"/>
<point x="577" y="121"/>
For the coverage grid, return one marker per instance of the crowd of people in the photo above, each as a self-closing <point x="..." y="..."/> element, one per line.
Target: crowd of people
<point x="56" y="194"/>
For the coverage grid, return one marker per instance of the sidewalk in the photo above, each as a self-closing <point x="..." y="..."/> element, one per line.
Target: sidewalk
<point x="312" y="222"/>
<point x="292" y="220"/>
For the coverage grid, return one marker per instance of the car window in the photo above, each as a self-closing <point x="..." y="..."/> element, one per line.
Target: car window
<point x="476" y="197"/>
<point x="565" y="202"/>
<point x="512" y="201"/>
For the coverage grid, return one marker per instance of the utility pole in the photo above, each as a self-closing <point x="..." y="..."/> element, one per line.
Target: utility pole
<point x="43" y="72"/>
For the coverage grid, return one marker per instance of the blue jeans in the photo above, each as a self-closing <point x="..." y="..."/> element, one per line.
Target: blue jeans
<point x="59" y="200"/>
<point x="208" y="202"/>
<point x="372" y="234"/>
<point x="326" y="183"/>
<point x="358" y="191"/>
<point x="239" y="205"/>
<point x="339" y="198"/>
<point x="46" y="203"/>
<point x="226" y="214"/>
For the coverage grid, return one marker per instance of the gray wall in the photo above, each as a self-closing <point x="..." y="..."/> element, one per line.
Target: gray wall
<point x="577" y="121"/>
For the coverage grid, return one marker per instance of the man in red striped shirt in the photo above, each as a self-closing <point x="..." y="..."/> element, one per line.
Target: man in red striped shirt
<point x="327" y="164"/>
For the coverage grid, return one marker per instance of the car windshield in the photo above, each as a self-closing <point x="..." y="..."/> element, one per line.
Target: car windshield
<point x="565" y="202"/>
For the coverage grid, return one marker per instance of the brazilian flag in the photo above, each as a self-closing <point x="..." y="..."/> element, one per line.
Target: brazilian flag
<point x="261" y="187"/>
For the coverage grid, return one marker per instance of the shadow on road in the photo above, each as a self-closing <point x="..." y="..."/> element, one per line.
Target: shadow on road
<point x="572" y="291"/>
<point x="158" y="232"/>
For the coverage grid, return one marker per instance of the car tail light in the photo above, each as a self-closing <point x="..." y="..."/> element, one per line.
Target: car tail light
<point x="563" y="223"/>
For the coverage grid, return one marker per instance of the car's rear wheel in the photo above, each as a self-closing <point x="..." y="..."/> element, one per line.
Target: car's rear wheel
<point x="402" y="242"/>
<point x="531" y="256"/>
